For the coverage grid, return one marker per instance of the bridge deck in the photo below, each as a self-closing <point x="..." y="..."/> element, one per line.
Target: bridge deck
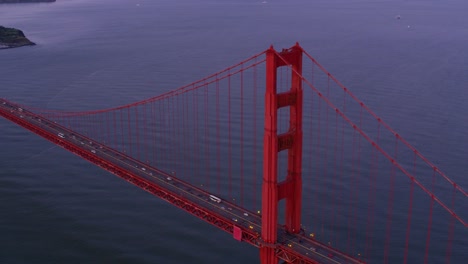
<point x="292" y="248"/>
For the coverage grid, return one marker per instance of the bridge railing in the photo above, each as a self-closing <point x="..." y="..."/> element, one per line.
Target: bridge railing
<point x="367" y="191"/>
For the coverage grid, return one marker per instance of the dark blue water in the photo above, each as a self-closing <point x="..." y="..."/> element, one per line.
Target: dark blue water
<point x="56" y="208"/>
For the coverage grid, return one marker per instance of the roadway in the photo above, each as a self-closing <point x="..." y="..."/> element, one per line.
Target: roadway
<point x="300" y="243"/>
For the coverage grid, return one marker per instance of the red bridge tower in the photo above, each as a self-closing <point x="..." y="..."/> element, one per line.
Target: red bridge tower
<point x="291" y="188"/>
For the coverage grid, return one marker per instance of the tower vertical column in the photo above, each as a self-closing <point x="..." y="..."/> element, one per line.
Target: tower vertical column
<point x="270" y="164"/>
<point x="294" y="194"/>
<point x="291" y="188"/>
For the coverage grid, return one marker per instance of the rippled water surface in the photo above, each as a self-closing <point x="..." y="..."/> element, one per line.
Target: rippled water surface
<point x="57" y="208"/>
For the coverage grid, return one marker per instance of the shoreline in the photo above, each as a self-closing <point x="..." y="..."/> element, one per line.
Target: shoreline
<point x="25" y="1"/>
<point x="13" y="38"/>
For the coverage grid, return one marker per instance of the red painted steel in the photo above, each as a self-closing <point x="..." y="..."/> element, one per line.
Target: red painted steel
<point x="278" y="251"/>
<point x="294" y="177"/>
<point x="270" y="165"/>
<point x="211" y="217"/>
<point x="237" y="233"/>
<point x="243" y="234"/>
<point x="291" y="188"/>
<point x="276" y="242"/>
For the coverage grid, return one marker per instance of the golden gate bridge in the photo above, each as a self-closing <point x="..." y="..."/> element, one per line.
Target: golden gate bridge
<point x="279" y="154"/>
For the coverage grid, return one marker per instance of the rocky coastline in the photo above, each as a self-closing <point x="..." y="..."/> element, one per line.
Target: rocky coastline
<point x="13" y="38"/>
<point x="25" y="1"/>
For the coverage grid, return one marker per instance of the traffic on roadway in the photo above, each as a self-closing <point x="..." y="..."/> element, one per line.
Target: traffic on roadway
<point x="299" y="243"/>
